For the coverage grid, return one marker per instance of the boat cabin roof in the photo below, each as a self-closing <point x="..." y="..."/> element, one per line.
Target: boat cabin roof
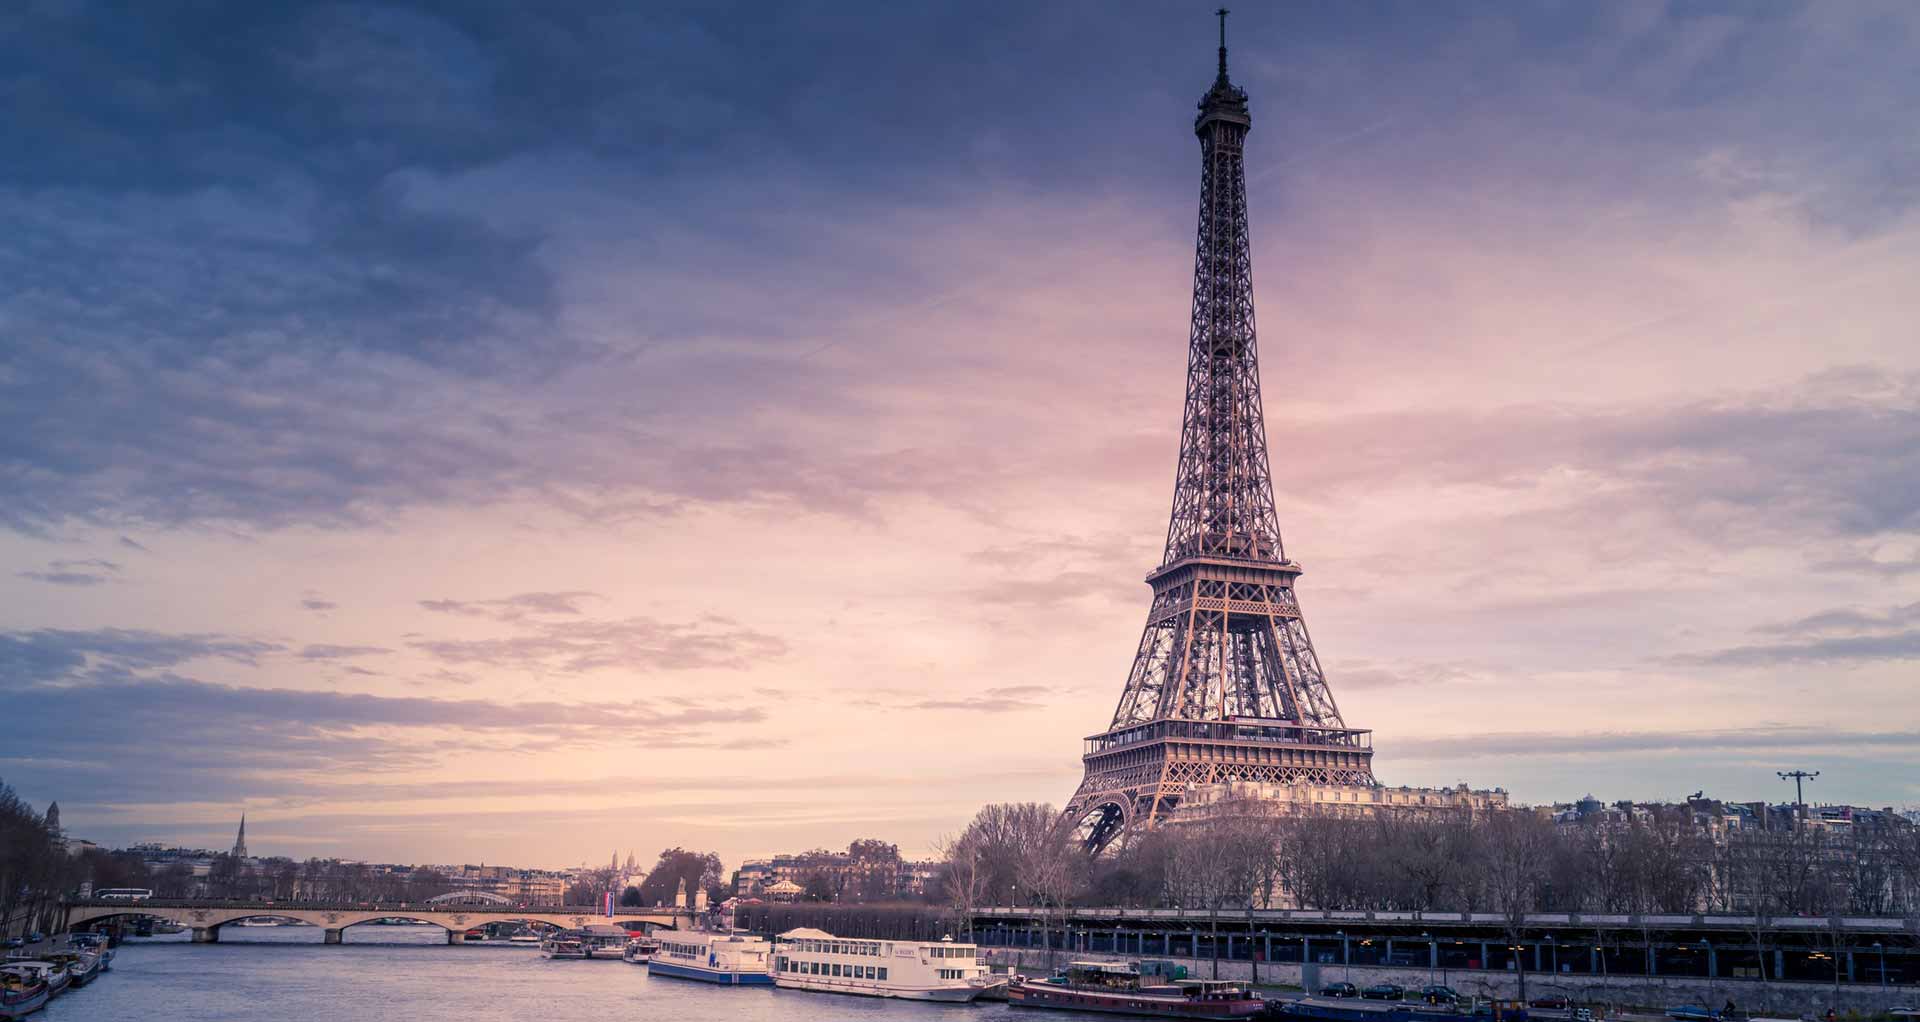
<point x="1116" y="968"/>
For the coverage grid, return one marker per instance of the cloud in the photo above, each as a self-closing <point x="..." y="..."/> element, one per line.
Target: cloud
<point x="1003" y="699"/>
<point x="329" y="652"/>
<point x="1903" y="645"/>
<point x="317" y="603"/>
<point x="89" y="572"/>
<point x="1592" y="744"/>
<point x="514" y="608"/>
<point x="28" y="658"/>
<point x="631" y="643"/>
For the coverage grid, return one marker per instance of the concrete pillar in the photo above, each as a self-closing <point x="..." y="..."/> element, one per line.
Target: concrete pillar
<point x="456" y="936"/>
<point x="1779" y="963"/>
<point x="1653" y="959"/>
<point x="1593" y="960"/>
<point x="206" y="935"/>
<point x="1713" y="962"/>
<point x="331" y="936"/>
<point x="1537" y="967"/>
<point x="1849" y="966"/>
<point x="1485" y="962"/>
<point x="1389" y="958"/>
<point x="1266" y="946"/>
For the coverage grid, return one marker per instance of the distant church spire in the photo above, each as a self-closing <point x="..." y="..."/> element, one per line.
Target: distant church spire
<point x="240" y="840"/>
<point x="53" y="818"/>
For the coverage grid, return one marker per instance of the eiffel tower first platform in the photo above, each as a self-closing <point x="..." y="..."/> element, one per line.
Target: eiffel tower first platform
<point x="1226" y="685"/>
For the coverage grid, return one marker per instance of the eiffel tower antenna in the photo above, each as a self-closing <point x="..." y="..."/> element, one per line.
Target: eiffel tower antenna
<point x="1225" y="685"/>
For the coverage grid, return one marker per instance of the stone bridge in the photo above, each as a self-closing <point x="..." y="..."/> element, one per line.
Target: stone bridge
<point x="207" y="917"/>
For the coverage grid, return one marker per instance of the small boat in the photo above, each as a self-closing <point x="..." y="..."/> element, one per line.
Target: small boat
<point x="21" y="994"/>
<point x="640" y="950"/>
<point x="807" y="959"/>
<point x="96" y="946"/>
<point x="563" y="944"/>
<point x="1116" y="989"/>
<point x="34" y="970"/>
<point x="478" y="933"/>
<point x="727" y="958"/>
<point x="81" y="966"/>
<point x="524" y="937"/>
<point x="603" y="943"/>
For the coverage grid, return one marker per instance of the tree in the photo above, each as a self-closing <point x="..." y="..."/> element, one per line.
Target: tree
<point x="1517" y="849"/>
<point x="630" y="898"/>
<point x="873" y="850"/>
<point x="966" y="876"/>
<point x="680" y="871"/>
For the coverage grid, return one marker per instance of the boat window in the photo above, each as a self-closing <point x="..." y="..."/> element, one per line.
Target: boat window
<point x="883" y="972"/>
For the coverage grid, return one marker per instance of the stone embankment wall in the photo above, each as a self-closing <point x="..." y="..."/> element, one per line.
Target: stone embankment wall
<point x="1790" y="1000"/>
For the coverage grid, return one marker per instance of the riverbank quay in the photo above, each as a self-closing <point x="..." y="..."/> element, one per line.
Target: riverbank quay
<point x="1789" y="966"/>
<point x="1624" y="997"/>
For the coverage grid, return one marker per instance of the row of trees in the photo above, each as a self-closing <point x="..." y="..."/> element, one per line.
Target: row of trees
<point x="1664" y="862"/>
<point x="1509" y="863"/>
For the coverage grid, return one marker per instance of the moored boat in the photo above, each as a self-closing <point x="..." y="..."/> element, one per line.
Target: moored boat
<point x="603" y="943"/>
<point x="730" y="959"/>
<point x="1349" y="1009"/>
<point x="55" y="977"/>
<point x="640" y="950"/>
<point x="807" y="959"/>
<point x="562" y="944"/>
<point x="21" y="994"/>
<point x="1116" y="989"/>
<point x="81" y="966"/>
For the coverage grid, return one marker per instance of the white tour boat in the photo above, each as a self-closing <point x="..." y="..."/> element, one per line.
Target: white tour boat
<point x="562" y="944"/>
<point x="640" y="950"/>
<point x="729" y="958"/>
<point x="914" y="970"/>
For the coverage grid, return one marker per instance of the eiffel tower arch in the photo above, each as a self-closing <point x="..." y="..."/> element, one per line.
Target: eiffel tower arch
<point x="1225" y="685"/>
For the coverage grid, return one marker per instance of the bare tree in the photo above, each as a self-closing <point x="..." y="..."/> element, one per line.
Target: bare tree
<point x="1516" y="855"/>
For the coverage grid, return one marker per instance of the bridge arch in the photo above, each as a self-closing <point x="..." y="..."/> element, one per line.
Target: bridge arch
<point x="207" y="919"/>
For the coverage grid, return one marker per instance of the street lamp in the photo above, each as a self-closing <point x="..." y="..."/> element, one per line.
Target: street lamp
<point x="1433" y="954"/>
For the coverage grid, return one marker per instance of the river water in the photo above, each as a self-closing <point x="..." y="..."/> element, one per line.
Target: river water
<point x="410" y="974"/>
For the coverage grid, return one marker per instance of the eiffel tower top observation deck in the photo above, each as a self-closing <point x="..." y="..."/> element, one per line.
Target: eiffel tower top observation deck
<point x="1225" y="684"/>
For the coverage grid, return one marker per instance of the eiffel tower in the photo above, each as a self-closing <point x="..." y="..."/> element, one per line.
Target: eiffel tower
<point x="1226" y="685"/>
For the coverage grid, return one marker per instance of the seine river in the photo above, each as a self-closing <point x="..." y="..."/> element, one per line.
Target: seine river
<point x="409" y="974"/>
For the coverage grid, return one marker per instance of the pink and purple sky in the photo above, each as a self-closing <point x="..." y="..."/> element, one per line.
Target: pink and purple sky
<point x="508" y="435"/>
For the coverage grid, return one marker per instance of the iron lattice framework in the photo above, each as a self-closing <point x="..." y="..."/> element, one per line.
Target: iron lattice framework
<point x="1226" y="685"/>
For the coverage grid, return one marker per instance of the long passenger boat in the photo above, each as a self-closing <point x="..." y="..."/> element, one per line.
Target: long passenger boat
<point x="806" y="959"/>
<point x="730" y="959"/>
<point x="1115" y="989"/>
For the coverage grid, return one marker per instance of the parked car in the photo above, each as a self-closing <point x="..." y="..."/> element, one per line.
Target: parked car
<point x="1384" y="992"/>
<point x="1339" y="990"/>
<point x="1554" y="1001"/>
<point x="1438" y="994"/>
<point x="16" y="942"/>
<point x="36" y="937"/>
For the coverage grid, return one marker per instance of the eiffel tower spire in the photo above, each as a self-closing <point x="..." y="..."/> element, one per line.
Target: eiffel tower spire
<point x="1225" y="684"/>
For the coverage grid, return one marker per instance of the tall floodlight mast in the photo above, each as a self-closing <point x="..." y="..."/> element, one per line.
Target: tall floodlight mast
<point x="1225" y="685"/>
